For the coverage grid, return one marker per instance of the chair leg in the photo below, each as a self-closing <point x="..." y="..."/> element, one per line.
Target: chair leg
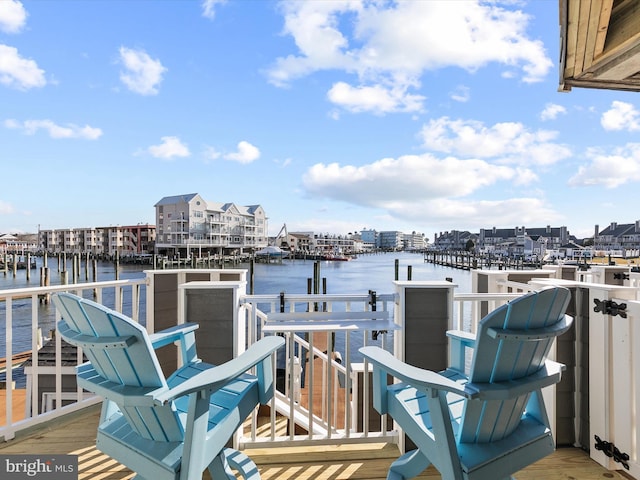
<point x="230" y="458"/>
<point x="409" y="465"/>
<point x="219" y="468"/>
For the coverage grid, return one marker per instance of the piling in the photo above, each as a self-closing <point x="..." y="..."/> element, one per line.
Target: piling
<point x="15" y="265"/>
<point x="44" y="282"/>
<point x="95" y="277"/>
<point x="116" y="265"/>
<point x="74" y="268"/>
<point x="251" y="274"/>
<point x="28" y="267"/>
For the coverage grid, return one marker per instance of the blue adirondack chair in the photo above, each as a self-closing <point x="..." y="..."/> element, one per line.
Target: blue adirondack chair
<point x="172" y="428"/>
<point x="489" y="422"/>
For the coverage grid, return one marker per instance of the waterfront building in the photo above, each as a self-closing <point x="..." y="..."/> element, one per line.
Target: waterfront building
<point x="99" y="241"/>
<point x="414" y="241"/>
<point x="390" y="240"/>
<point x="454" y="240"/>
<point x="299" y="242"/>
<point x="186" y="223"/>
<point x="521" y="241"/>
<point x="618" y="239"/>
<point x="336" y="244"/>
<point x="19" y="243"/>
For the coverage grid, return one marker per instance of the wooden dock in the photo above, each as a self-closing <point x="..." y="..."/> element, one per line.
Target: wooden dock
<point x="19" y="405"/>
<point x="319" y="403"/>
<point x="17" y="360"/>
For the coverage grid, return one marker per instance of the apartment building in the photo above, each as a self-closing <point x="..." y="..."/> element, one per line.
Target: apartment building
<point x="522" y="240"/>
<point x="99" y="241"/>
<point x="618" y="237"/>
<point x="413" y="241"/>
<point x="186" y="223"/>
<point x="390" y="240"/>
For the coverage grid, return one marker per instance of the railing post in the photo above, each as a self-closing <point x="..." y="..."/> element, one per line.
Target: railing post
<point x="162" y="303"/>
<point x="215" y="306"/>
<point x="425" y="310"/>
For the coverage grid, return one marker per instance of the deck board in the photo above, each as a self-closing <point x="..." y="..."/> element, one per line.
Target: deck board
<point x="76" y="436"/>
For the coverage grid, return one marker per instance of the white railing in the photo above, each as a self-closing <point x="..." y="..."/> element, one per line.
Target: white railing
<point x="29" y="309"/>
<point x="322" y="335"/>
<point x="342" y="410"/>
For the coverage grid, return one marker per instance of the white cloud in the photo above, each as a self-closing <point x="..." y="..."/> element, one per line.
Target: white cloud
<point x="509" y="142"/>
<point x="142" y="74"/>
<point x="408" y="178"/>
<point x="211" y="154"/>
<point x="283" y="163"/>
<point x="393" y="43"/>
<point x="209" y="6"/>
<point x="70" y="130"/>
<point x="6" y="208"/>
<point x="426" y="189"/>
<point x="18" y="72"/>
<point x="170" y="148"/>
<point x="621" y="116"/>
<point x="13" y="16"/>
<point x="246" y="153"/>
<point x="610" y="170"/>
<point x="461" y="94"/>
<point x="551" y="111"/>
<point x="376" y="99"/>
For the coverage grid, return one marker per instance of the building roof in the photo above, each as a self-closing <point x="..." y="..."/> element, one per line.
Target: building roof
<point x="47" y="355"/>
<point x="530" y="232"/>
<point x="600" y="44"/>
<point x="618" y="229"/>
<point x="176" y="199"/>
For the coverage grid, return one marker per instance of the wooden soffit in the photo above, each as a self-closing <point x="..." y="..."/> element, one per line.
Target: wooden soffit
<point x="600" y="44"/>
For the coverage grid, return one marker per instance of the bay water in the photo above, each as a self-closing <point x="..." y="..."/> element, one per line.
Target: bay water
<point x="357" y="276"/>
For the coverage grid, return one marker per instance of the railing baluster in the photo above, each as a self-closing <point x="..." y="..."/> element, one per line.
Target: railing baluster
<point x="310" y="387"/>
<point x="347" y="385"/>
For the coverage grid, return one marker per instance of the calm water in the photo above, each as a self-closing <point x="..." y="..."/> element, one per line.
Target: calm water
<point x="367" y="272"/>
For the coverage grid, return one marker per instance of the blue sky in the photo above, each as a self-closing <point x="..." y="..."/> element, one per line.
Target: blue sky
<point x="333" y="115"/>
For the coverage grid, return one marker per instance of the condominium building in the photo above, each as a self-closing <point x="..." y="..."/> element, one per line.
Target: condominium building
<point x="187" y="223"/>
<point x="618" y="237"/>
<point x="99" y="241"/>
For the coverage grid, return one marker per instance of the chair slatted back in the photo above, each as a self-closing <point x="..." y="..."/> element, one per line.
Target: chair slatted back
<point x="498" y="359"/>
<point x="136" y="365"/>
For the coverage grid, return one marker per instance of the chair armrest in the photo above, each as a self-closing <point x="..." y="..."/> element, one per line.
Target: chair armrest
<point x="184" y="333"/>
<point x="171" y="334"/>
<point x="460" y="341"/>
<point x="258" y="354"/>
<point x="417" y="377"/>
<point x="466" y="338"/>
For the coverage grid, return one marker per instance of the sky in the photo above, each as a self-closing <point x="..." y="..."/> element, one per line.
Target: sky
<point x="333" y="115"/>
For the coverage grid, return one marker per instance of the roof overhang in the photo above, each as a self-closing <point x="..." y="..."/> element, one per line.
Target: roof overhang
<point x="600" y="44"/>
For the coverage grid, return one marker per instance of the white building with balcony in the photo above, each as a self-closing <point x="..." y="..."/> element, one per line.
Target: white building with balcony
<point x="187" y="223"/>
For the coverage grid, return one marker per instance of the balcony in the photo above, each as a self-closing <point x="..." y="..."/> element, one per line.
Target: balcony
<point x="337" y="434"/>
<point x="341" y="462"/>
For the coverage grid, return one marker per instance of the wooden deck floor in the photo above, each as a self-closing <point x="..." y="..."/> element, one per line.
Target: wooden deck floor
<point x="75" y="435"/>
